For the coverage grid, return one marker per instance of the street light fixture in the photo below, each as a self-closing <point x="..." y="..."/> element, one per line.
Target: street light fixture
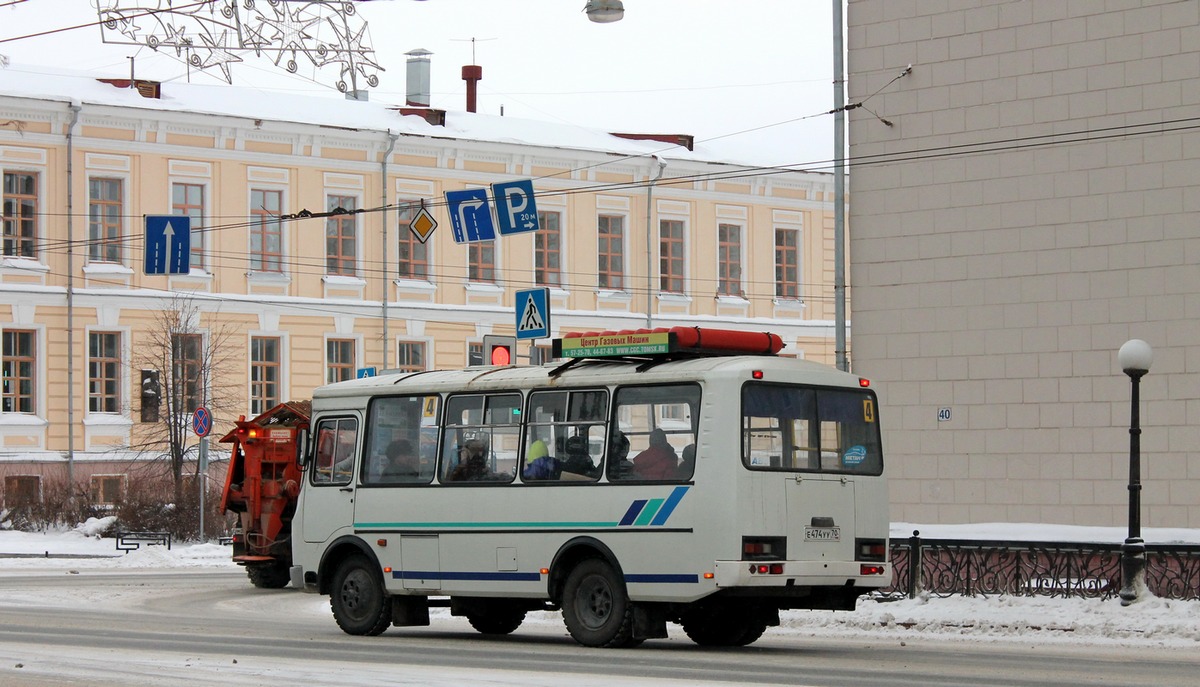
<point x="1135" y="358"/>
<point x="604" y="11"/>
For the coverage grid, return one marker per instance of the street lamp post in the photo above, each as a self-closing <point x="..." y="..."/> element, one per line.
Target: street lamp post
<point x="1134" y="358"/>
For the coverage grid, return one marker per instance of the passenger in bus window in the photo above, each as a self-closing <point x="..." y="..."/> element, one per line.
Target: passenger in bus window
<point x="619" y="465"/>
<point x="578" y="461"/>
<point x="687" y="462"/>
<point x="658" y="461"/>
<point x="402" y="464"/>
<point x="539" y="464"/>
<point x="472" y="462"/>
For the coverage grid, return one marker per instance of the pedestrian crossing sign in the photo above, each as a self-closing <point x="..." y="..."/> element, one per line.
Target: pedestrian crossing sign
<point x="533" y="314"/>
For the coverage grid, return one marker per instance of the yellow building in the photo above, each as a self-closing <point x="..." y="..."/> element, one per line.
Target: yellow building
<point x="302" y="257"/>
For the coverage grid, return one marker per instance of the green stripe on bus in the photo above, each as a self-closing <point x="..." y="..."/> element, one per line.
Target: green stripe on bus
<point x="648" y="512"/>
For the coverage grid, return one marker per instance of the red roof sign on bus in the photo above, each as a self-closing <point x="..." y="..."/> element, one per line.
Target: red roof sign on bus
<point x="660" y="341"/>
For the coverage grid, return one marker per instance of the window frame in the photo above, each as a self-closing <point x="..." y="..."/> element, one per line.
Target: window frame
<point x="190" y="207"/>
<point x="547" y="249"/>
<point x="607" y="239"/>
<point x="341" y="232"/>
<point x="19" y="229"/>
<point x="672" y="255"/>
<point x="265" y="225"/>
<point x="188" y="383"/>
<point x="405" y="363"/>
<point x="23" y="354"/>
<point x="412" y="255"/>
<point x="481" y="262"/>
<point x="785" y="287"/>
<point x="336" y="368"/>
<point x="104" y="388"/>
<point x="729" y="260"/>
<point x="264" y="374"/>
<point x="106" y="228"/>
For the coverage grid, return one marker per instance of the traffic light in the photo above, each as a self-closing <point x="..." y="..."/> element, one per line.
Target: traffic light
<point x="151" y="395"/>
<point x="499" y="350"/>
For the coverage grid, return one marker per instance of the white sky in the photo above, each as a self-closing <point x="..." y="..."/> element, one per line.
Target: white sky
<point x="709" y="68"/>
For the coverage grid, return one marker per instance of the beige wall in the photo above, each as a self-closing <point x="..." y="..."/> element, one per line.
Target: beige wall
<point x="1032" y="207"/>
<point x="150" y="149"/>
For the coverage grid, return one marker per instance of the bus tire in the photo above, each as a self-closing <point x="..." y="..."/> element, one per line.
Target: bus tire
<point x="724" y="625"/>
<point x="595" y="606"/>
<point x="269" y="576"/>
<point x="496" y="618"/>
<point x="360" y="605"/>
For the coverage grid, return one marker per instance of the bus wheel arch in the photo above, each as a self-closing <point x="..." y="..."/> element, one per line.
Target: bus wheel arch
<point x="337" y="552"/>
<point x="571" y="554"/>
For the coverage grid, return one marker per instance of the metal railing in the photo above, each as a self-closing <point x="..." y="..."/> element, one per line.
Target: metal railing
<point x="1056" y="569"/>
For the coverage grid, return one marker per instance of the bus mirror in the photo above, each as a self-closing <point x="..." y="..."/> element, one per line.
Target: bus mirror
<point x="302" y="448"/>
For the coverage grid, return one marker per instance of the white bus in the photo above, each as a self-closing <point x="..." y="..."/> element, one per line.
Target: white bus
<point x="751" y="483"/>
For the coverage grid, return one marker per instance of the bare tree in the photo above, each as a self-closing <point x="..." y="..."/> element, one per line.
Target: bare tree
<point x="182" y="365"/>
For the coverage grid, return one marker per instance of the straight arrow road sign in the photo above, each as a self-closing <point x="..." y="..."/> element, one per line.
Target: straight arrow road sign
<point x="168" y="244"/>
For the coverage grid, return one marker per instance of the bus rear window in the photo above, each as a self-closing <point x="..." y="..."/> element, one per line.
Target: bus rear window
<point x="808" y="429"/>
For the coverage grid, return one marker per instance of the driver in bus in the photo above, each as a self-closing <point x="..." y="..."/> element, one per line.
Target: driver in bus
<point x="472" y="461"/>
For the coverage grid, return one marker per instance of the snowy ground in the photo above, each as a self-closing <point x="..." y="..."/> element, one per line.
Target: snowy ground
<point x="1152" y="621"/>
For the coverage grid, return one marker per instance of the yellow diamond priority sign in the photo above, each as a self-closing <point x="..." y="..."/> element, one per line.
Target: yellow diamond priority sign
<point x="422" y="225"/>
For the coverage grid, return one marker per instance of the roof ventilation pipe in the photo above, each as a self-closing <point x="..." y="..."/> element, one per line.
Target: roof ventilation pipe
<point x="418" y="77"/>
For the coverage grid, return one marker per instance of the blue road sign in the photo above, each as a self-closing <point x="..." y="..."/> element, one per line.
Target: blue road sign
<point x="168" y="244"/>
<point x="470" y="215"/>
<point x="533" y="314"/>
<point x="364" y="372"/>
<point x="516" y="210"/>
<point x="202" y="422"/>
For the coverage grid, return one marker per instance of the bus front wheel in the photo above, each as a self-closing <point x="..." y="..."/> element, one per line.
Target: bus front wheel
<point x="359" y="603"/>
<point x="595" y="606"/>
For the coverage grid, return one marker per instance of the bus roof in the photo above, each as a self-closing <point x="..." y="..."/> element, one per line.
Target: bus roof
<point x="592" y="373"/>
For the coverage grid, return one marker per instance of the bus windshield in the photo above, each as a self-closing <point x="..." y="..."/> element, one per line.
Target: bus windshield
<point x="807" y="429"/>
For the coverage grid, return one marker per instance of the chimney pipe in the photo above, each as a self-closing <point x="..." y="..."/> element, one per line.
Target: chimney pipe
<point x="418" y="77"/>
<point x="472" y="74"/>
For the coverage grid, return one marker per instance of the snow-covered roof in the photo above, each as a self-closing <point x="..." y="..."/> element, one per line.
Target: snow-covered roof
<point x="332" y="110"/>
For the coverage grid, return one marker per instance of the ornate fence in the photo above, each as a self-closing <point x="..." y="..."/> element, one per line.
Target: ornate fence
<point x="978" y="567"/>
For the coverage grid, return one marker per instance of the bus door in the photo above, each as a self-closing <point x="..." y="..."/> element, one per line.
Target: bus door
<point x="329" y="494"/>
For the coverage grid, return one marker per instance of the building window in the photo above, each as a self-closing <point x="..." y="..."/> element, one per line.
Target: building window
<point x="670" y="255"/>
<point x="481" y="261"/>
<point x="340" y="356"/>
<point x="264" y="373"/>
<point x="610" y="251"/>
<point x="341" y="237"/>
<point x="105" y="207"/>
<point x="19" y="363"/>
<point x="474" y="354"/>
<point x="107" y="490"/>
<point x="104" y="372"/>
<point x="187" y="373"/>
<point x="787" y="263"/>
<point x="410" y="356"/>
<point x="22" y="490"/>
<point x="539" y="355"/>
<point x="547" y="250"/>
<point x="266" y="231"/>
<point x="729" y="260"/>
<point x="188" y="199"/>
<point x="413" y="255"/>
<point x="20" y="214"/>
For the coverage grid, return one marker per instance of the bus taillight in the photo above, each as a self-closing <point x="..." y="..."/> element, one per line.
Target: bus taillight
<point x="766" y="568"/>
<point x="866" y="569"/>
<point x="871" y="549"/>
<point x="764" y="548"/>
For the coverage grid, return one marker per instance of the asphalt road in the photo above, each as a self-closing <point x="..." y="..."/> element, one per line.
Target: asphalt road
<point x="199" y="628"/>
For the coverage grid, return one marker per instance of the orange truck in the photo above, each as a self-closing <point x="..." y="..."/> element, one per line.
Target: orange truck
<point x="261" y="488"/>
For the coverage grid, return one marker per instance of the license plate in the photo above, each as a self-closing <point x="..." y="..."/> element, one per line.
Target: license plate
<point x="822" y="534"/>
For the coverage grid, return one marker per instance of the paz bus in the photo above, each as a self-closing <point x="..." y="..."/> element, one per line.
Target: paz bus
<point x="686" y="476"/>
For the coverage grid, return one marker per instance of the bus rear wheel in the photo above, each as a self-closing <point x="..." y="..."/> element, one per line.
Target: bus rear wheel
<point x="269" y="576"/>
<point x="724" y="625"/>
<point x="595" y="607"/>
<point x="357" y="598"/>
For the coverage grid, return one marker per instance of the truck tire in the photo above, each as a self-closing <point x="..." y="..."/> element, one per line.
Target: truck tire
<point x="595" y="606"/>
<point x="269" y="576"/>
<point x="724" y="625"/>
<point x="496" y="617"/>
<point x="360" y="604"/>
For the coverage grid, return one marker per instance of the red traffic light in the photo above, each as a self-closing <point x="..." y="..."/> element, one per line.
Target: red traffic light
<point x="501" y="355"/>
